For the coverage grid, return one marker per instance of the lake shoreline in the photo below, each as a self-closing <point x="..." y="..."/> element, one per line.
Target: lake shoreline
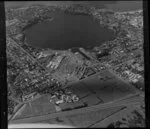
<point x="68" y="31"/>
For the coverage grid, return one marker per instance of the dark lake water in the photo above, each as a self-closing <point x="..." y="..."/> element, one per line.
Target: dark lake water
<point x="72" y="31"/>
<point x="67" y="31"/>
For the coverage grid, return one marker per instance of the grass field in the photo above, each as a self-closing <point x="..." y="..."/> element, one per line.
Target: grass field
<point x="91" y="91"/>
<point x="108" y="89"/>
<point x="37" y="107"/>
<point x="25" y="111"/>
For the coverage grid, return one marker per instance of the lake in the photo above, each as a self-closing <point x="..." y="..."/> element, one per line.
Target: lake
<point x="67" y="31"/>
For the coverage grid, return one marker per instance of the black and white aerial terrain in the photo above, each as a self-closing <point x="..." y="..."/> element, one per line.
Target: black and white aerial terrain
<point x="75" y="63"/>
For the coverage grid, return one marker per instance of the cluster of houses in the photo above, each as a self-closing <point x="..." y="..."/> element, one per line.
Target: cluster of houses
<point x="117" y="52"/>
<point x="29" y="97"/>
<point x="138" y="67"/>
<point x="54" y="63"/>
<point x="59" y="98"/>
<point x="42" y="55"/>
<point x="132" y="76"/>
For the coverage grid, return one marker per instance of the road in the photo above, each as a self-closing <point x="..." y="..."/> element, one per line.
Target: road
<point x="117" y="103"/>
<point x="132" y="100"/>
<point x="32" y="58"/>
<point x="15" y="43"/>
<point x="112" y="118"/>
<point x="16" y="111"/>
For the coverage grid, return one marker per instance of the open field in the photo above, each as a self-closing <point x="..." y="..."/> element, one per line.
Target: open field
<point x="124" y="103"/>
<point x="83" y="120"/>
<point x="24" y="111"/>
<point x="37" y="107"/>
<point x="105" y="86"/>
<point x="118" y="116"/>
<point x="100" y="88"/>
